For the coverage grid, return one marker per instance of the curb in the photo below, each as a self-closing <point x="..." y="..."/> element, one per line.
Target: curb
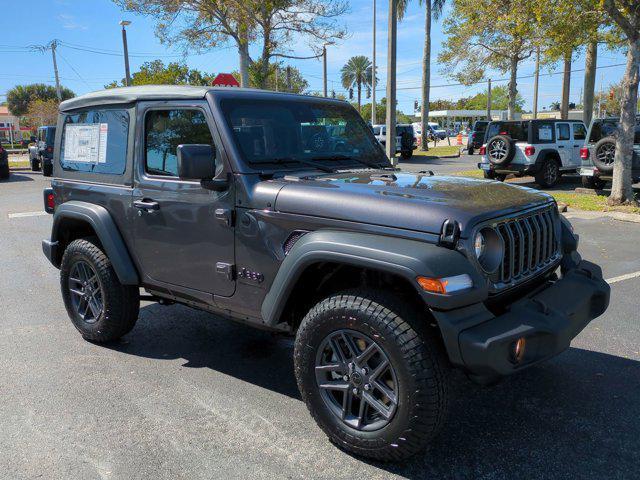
<point x="587" y="215"/>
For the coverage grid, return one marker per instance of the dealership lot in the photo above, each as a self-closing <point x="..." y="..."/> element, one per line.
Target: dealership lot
<point x="189" y="395"/>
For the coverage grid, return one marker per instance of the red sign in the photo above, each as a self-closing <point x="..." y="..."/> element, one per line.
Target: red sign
<point x="225" y="80"/>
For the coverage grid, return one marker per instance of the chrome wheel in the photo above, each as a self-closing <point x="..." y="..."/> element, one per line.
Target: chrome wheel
<point x="356" y="380"/>
<point x="497" y="150"/>
<point x="606" y="153"/>
<point x="551" y="173"/>
<point x="86" y="292"/>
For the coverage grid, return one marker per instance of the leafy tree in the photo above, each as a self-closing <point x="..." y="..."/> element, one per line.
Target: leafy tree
<point x="483" y="34"/>
<point x="433" y="8"/>
<point x="625" y="15"/>
<point x="156" y="73"/>
<point x="20" y="96"/>
<point x="283" y="78"/>
<point x="41" y="112"/>
<point x="499" y="100"/>
<point x="381" y="112"/>
<point x="610" y="101"/>
<point x="357" y="72"/>
<point x="275" y="25"/>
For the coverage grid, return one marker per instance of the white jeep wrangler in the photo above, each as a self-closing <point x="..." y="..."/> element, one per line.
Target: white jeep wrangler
<point x="544" y="149"/>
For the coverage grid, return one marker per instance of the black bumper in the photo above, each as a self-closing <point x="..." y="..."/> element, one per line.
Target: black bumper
<point x="517" y="168"/>
<point x="548" y="319"/>
<point x="50" y="250"/>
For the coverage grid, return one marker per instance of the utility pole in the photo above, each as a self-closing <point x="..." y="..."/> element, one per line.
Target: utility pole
<point x="127" y="73"/>
<point x="391" y="82"/>
<point x="277" y="69"/>
<point x="324" y="70"/>
<point x="373" y="76"/>
<point x="54" y="45"/>
<point x="489" y="100"/>
<point x="535" y="84"/>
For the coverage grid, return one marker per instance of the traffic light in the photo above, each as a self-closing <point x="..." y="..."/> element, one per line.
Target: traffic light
<point x="333" y="94"/>
<point x="351" y="94"/>
<point x="612" y="94"/>
<point x="415" y="105"/>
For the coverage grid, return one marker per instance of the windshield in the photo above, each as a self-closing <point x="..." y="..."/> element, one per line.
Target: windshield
<point x="400" y="129"/>
<point x="283" y="132"/>
<point x="480" y="126"/>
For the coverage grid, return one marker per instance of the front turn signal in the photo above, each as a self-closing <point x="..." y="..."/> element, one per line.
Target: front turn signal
<point x="445" y="285"/>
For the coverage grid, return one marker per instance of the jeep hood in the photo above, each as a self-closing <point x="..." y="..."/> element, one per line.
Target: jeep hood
<point x="419" y="202"/>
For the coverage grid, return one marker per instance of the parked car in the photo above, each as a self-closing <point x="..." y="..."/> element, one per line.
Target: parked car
<point x="34" y="154"/>
<point x="405" y="138"/>
<point x="210" y="198"/>
<point x="41" y="156"/>
<point x="599" y="151"/>
<point x="4" y="163"/>
<point x="476" y="136"/>
<point x="543" y="148"/>
<point x="439" y="132"/>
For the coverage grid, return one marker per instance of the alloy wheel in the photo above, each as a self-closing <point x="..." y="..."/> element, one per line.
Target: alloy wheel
<point x="86" y="292"/>
<point x="497" y="150"/>
<point x="356" y="380"/>
<point x="606" y="153"/>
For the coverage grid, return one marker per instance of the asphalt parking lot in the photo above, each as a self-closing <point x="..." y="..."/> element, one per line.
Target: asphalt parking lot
<point x="189" y="395"/>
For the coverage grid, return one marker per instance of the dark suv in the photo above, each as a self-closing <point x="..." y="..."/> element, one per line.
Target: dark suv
<point x="236" y="202"/>
<point x="41" y="155"/>
<point x="4" y="163"/>
<point x="599" y="151"/>
<point x="476" y="136"/>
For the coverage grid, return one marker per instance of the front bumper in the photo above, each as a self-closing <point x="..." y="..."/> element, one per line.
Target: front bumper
<point x="548" y="319"/>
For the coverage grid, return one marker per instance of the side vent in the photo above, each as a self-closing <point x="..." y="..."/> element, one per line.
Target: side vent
<point x="291" y="240"/>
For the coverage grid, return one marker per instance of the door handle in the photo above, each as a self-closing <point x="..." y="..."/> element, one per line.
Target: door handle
<point x="560" y="146"/>
<point x="146" y="205"/>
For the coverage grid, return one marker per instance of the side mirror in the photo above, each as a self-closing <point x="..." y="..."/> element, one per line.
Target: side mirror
<point x="197" y="162"/>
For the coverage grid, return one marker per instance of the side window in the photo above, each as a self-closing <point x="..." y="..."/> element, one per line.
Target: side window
<point x="563" y="131"/>
<point x="579" y="131"/>
<point x="95" y="141"/>
<point x="544" y="133"/>
<point x="165" y="130"/>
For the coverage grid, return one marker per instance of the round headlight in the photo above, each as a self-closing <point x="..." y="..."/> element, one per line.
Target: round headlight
<point x="489" y="249"/>
<point x="479" y="244"/>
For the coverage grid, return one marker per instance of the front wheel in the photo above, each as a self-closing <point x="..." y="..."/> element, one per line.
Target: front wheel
<point x="47" y="168"/>
<point x="406" y="155"/>
<point x="373" y="378"/>
<point x="470" y="150"/>
<point x="100" y="307"/>
<point x="35" y="165"/>
<point x="549" y="174"/>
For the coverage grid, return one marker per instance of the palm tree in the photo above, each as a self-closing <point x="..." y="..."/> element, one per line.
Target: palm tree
<point x="434" y="8"/>
<point x="357" y="72"/>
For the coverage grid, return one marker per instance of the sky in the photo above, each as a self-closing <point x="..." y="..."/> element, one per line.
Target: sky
<point x="93" y="25"/>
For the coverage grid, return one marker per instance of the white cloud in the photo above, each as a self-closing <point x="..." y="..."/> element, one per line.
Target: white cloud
<point x="69" y="22"/>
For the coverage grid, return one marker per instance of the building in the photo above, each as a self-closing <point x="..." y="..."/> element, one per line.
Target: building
<point x="554" y="114"/>
<point x="460" y="119"/>
<point x="10" y="129"/>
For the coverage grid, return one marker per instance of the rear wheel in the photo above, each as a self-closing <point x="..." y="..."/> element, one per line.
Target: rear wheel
<point x="549" y="173"/>
<point x="4" y="170"/>
<point x="47" y="168"/>
<point x="373" y="379"/>
<point x="470" y="150"/>
<point x="593" y="183"/>
<point x="100" y="307"/>
<point x="35" y="165"/>
<point x="407" y="154"/>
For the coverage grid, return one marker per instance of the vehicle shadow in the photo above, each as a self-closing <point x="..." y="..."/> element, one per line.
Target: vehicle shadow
<point x="16" y="177"/>
<point x="576" y="416"/>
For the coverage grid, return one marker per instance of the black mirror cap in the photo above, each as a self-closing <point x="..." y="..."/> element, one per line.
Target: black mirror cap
<point x="196" y="162"/>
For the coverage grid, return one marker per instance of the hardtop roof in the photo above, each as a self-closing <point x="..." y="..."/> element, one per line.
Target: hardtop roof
<point x="125" y="95"/>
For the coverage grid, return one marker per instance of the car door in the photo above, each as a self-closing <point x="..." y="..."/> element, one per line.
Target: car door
<point x="564" y="143"/>
<point x="579" y="134"/>
<point x="184" y="233"/>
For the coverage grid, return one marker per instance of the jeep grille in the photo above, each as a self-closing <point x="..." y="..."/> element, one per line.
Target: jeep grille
<point x="530" y="245"/>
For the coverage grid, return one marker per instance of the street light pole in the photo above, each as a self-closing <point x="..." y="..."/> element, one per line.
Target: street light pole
<point x="489" y="100"/>
<point x="127" y="78"/>
<point x="373" y="75"/>
<point x="391" y="82"/>
<point x="535" y="84"/>
<point x="324" y="70"/>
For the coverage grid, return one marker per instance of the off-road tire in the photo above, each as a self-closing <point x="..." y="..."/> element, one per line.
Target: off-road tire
<point x="4" y="171"/>
<point x="121" y="303"/>
<point x="35" y="165"/>
<point x="491" y="175"/>
<point x="416" y="354"/>
<point x="47" y="169"/>
<point x="504" y="146"/>
<point x="549" y="173"/>
<point x="604" y="153"/>
<point x="470" y="151"/>
<point x="406" y="155"/>
<point x="593" y="183"/>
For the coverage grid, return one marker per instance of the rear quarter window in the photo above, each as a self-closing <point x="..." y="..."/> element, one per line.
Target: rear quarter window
<point x="543" y="132"/>
<point x="516" y="130"/>
<point x="95" y="141"/>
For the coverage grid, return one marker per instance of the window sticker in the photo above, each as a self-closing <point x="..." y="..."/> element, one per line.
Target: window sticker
<point x="86" y="143"/>
<point x="545" y="132"/>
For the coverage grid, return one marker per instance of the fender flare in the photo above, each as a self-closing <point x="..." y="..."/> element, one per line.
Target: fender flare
<point x="107" y="232"/>
<point x="403" y="257"/>
<point x="542" y="156"/>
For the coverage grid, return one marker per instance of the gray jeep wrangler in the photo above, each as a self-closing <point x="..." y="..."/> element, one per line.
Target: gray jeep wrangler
<point x="241" y="203"/>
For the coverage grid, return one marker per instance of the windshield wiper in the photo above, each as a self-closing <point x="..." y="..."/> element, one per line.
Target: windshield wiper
<point x="284" y="160"/>
<point x="347" y="157"/>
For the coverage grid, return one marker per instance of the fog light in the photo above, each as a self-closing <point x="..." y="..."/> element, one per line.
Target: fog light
<point x="518" y="348"/>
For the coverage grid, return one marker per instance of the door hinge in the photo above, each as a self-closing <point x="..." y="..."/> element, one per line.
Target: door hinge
<point x="226" y="269"/>
<point x="225" y="216"/>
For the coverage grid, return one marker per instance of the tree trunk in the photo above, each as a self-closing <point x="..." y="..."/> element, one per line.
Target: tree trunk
<point x="513" y="88"/>
<point x="589" y="88"/>
<point x="359" y="96"/>
<point x="243" y="52"/>
<point x="621" y="190"/>
<point x="426" y="80"/>
<point x="566" y="87"/>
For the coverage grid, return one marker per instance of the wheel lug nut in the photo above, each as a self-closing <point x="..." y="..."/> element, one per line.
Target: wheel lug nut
<point x="364" y="371"/>
<point x="346" y="378"/>
<point x="367" y="386"/>
<point x="355" y="391"/>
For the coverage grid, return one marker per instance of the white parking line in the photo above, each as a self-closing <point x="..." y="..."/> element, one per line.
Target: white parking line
<point x="27" y="214"/>
<point x="620" y="278"/>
